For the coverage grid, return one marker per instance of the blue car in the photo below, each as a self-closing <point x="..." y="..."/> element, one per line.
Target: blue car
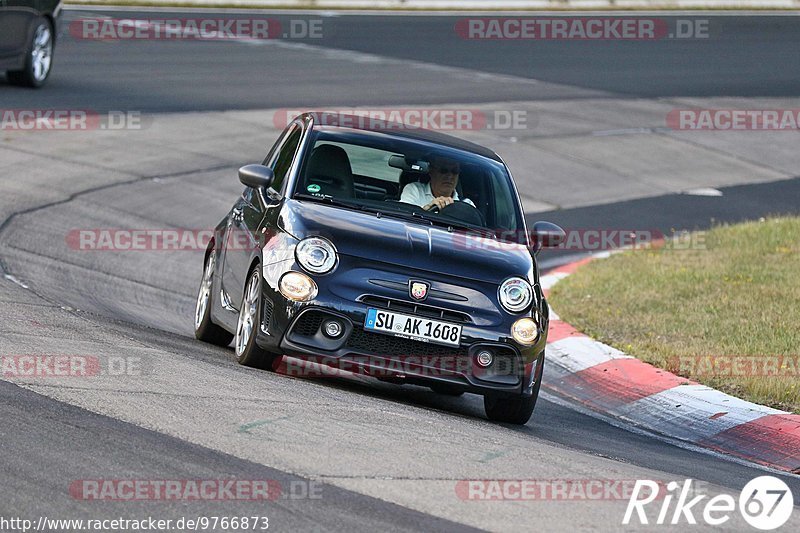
<point x="386" y="250"/>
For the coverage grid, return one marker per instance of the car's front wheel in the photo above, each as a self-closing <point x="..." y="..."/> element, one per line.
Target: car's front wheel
<point x="514" y="409"/>
<point x="248" y="352"/>
<point x="38" y="58"/>
<point x="204" y="329"/>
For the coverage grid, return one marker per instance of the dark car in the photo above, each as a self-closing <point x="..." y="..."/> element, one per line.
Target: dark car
<point x="319" y="259"/>
<point x="28" y="30"/>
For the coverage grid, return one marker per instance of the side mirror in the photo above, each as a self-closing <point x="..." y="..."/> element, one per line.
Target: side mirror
<point x="547" y="235"/>
<point x="256" y="176"/>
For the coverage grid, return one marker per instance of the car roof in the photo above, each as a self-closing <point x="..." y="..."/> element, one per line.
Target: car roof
<point x="355" y="123"/>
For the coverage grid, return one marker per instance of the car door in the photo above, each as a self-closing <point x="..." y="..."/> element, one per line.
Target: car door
<point x="243" y="237"/>
<point x="15" y="20"/>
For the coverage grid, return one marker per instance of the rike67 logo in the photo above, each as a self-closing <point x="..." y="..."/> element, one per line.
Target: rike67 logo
<point x="765" y="503"/>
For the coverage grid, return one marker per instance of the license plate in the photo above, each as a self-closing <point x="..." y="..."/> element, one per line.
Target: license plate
<point x="412" y="327"/>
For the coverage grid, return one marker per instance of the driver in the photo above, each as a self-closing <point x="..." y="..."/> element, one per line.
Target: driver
<point x="440" y="191"/>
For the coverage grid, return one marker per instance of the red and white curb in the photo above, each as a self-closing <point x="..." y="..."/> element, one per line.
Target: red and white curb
<point x="610" y="382"/>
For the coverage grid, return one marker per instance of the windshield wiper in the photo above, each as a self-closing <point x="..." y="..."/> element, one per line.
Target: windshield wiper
<point x="414" y="217"/>
<point x="452" y="224"/>
<point x="485" y="232"/>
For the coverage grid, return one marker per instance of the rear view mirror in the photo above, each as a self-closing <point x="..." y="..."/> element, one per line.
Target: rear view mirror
<point x="547" y="235"/>
<point x="398" y="161"/>
<point x="256" y="176"/>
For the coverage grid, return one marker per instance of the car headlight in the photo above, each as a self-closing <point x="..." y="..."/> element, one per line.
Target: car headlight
<point x="515" y="294"/>
<point x="315" y="254"/>
<point x="297" y="286"/>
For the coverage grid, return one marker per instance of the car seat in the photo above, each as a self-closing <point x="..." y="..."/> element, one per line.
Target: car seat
<point x="329" y="169"/>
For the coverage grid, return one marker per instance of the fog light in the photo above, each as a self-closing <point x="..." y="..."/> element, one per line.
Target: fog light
<point x="525" y="331"/>
<point x="332" y="328"/>
<point x="484" y="358"/>
<point x="297" y="286"/>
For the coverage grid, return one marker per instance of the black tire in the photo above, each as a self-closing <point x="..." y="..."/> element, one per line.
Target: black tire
<point x="251" y="353"/>
<point x="513" y="409"/>
<point x="205" y="329"/>
<point x="34" y="74"/>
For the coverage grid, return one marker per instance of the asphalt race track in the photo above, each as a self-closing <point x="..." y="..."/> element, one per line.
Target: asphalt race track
<point x="743" y="56"/>
<point x="595" y="153"/>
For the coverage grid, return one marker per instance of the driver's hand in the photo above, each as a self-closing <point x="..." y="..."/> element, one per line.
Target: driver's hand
<point x="441" y="202"/>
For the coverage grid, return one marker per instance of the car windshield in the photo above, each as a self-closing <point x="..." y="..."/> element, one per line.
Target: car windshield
<point x="402" y="177"/>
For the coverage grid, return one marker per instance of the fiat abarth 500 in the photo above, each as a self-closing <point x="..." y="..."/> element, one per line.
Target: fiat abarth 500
<point x="343" y="250"/>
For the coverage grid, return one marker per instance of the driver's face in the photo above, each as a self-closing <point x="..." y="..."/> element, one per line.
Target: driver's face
<point x="444" y="176"/>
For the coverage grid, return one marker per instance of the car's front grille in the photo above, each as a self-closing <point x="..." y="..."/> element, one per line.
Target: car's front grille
<point x="417" y="309"/>
<point x="384" y="345"/>
<point x="308" y="324"/>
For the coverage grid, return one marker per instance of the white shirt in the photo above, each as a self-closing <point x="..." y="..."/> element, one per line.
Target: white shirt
<point x="420" y="194"/>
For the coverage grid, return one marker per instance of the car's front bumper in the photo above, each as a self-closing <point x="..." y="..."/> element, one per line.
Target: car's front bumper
<point x="294" y="329"/>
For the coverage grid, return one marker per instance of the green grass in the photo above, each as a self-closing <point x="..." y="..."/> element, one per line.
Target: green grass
<point x="726" y="314"/>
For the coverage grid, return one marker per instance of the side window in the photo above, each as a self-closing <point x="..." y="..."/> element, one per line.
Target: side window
<point x="283" y="159"/>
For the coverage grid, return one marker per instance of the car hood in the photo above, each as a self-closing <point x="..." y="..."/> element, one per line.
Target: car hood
<point x="415" y="246"/>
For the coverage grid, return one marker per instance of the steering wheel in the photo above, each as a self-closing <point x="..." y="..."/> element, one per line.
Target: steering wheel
<point x="462" y="211"/>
